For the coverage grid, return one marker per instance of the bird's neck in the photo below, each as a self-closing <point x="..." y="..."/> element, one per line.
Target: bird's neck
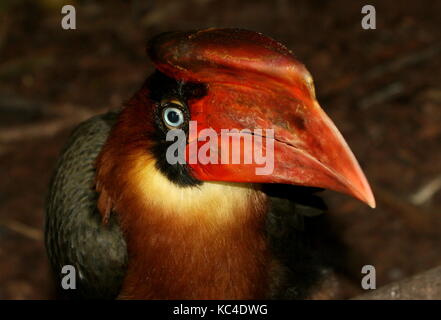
<point x="204" y="242"/>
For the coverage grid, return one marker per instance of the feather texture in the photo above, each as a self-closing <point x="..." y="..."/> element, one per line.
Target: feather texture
<point x="76" y="234"/>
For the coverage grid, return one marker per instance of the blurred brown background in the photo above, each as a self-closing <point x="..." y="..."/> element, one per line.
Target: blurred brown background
<point x="381" y="87"/>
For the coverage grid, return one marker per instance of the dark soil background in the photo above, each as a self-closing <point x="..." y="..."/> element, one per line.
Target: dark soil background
<point x="381" y="87"/>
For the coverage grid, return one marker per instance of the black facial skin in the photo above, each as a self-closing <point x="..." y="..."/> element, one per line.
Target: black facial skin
<point x="163" y="90"/>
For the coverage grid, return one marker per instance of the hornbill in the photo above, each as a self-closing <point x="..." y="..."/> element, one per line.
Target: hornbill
<point x="136" y="226"/>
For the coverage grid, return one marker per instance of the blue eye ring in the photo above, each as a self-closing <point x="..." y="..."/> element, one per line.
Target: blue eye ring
<point x="173" y="117"/>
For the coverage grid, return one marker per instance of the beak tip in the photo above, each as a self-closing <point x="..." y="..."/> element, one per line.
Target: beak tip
<point x="368" y="197"/>
<point x="371" y="203"/>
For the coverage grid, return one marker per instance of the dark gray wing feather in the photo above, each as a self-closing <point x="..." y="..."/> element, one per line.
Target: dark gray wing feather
<point x="75" y="234"/>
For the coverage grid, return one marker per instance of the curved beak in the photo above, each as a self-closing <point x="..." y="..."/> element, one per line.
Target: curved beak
<point x="274" y="138"/>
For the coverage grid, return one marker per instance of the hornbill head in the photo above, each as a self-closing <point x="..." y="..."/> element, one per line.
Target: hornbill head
<point x="225" y="79"/>
<point x="239" y="79"/>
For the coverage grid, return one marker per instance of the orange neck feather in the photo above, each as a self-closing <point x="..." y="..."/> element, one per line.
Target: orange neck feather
<point x="204" y="242"/>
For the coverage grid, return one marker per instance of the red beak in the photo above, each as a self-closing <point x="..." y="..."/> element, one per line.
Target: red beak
<point x="254" y="83"/>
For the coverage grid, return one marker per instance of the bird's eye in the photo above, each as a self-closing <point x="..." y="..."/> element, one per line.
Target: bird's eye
<point x="173" y="117"/>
